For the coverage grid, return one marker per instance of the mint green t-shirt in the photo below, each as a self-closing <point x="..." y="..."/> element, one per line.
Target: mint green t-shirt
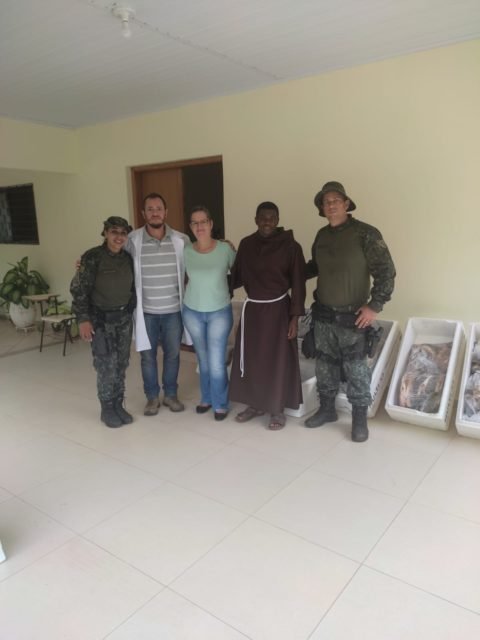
<point x="207" y="287"/>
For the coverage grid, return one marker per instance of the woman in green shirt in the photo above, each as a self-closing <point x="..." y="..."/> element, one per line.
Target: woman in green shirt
<point x="207" y="311"/>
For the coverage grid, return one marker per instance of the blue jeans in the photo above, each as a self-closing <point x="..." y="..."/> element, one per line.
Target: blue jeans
<point x="209" y="331"/>
<point x="165" y="330"/>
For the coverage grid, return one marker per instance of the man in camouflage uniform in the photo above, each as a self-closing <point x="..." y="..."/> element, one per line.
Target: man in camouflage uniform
<point x="103" y="301"/>
<point x="345" y="255"/>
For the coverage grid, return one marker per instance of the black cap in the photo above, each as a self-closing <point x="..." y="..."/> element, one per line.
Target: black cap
<point x="116" y="221"/>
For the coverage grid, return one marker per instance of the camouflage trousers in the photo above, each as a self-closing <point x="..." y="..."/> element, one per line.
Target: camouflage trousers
<point x="111" y="353"/>
<point x="341" y="349"/>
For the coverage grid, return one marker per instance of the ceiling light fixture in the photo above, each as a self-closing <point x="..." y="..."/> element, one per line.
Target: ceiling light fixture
<point x="125" y="14"/>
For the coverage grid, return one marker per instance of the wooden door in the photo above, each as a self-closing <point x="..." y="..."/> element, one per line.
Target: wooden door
<point x="167" y="182"/>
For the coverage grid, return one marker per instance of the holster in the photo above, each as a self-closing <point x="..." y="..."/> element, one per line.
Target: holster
<point x="372" y="340"/>
<point x="100" y="346"/>
<point x="308" y="344"/>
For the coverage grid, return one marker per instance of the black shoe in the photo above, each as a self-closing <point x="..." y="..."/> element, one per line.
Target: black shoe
<point x="109" y="415"/>
<point x="124" y="416"/>
<point x="326" y="413"/>
<point x="220" y="415"/>
<point x="359" y="423"/>
<point x="203" y="408"/>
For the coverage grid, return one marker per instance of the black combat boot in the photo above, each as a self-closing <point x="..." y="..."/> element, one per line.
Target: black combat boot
<point x="325" y="413"/>
<point x="359" y="423"/>
<point x="109" y="415"/>
<point x="121" y="412"/>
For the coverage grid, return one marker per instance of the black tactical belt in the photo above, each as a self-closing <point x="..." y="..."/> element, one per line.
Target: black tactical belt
<point x="322" y="313"/>
<point x="112" y="315"/>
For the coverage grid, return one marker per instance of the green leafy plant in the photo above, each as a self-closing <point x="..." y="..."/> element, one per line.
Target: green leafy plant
<point x="19" y="282"/>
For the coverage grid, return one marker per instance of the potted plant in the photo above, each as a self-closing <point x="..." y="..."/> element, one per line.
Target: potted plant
<point x="17" y="283"/>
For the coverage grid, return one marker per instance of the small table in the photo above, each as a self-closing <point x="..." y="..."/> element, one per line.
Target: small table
<point x="64" y="320"/>
<point x="40" y="298"/>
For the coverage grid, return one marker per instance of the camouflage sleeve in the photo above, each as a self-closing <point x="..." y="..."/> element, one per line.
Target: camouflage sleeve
<point x="82" y="285"/>
<point x="381" y="268"/>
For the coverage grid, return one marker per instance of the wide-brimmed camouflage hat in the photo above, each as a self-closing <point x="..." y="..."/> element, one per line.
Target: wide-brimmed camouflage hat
<point x="116" y="221"/>
<point x="332" y="186"/>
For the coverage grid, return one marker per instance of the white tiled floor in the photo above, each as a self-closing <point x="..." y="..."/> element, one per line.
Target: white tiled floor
<point x="180" y="528"/>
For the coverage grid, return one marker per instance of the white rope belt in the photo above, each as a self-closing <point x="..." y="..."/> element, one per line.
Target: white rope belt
<point x="242" y="330"/>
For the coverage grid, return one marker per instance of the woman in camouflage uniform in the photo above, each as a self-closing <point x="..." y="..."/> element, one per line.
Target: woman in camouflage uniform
<point x="103" y="301"/>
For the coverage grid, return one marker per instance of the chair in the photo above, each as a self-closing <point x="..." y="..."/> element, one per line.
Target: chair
<point x="65" y="322"/>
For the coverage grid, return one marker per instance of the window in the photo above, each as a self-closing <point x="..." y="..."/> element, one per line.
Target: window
<point x="18" y="218"/>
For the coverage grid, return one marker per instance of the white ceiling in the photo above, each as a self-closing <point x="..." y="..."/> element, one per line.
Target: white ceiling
<point x="65" y="62"/>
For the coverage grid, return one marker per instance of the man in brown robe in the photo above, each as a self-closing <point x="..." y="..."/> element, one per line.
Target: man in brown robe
<point x="265" y="370"/>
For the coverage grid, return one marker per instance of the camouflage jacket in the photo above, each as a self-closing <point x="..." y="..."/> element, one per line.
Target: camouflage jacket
<point x="104" y="281"/>
<point x="353" y="265"/>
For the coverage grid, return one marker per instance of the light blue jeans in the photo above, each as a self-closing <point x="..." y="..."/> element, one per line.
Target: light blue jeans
<point x="209" y="331"/>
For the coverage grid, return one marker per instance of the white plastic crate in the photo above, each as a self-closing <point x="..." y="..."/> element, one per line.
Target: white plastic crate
<point x="464" y="426"/>
<point x="428" y="331"/>
<point x="380" y="375"/>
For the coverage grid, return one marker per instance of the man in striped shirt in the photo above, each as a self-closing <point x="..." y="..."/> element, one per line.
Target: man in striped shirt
<point x="157" y="252"/>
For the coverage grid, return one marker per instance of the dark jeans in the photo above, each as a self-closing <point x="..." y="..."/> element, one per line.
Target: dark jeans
<point x="165" y="330"/>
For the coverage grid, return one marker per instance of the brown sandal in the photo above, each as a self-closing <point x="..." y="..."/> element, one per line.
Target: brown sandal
<point x="277" y="421"/>
<point x="247" y="414"/>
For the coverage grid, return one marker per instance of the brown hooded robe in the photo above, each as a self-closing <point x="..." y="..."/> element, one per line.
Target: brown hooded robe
<point x="267" y="267"/>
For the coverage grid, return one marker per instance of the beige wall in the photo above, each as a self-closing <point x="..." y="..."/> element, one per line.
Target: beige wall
<point x="403" y="135"/>
<point x="48" y="158"/>
<point x="56" y="228"/>
<point x="24" y="145"/>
